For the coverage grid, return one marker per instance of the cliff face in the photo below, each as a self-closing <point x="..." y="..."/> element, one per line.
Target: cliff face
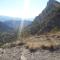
<point x="48" y="20"/>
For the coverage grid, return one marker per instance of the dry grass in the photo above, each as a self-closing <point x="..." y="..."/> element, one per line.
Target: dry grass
<point x="12" y="44"/>
<point x="37" y="42"/>
<point x="43" y="41"/>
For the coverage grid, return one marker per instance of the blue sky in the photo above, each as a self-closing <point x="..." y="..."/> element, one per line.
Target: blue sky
<point x="22" y="8"/>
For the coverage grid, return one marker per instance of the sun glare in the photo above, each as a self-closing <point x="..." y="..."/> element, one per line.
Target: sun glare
<point x="26" y="8"/>
<point x="25" y="14"/>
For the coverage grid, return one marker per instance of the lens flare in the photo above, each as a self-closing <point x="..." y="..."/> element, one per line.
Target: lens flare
<point x="25" y="14"/>
<point x="26" y="9"/>
<point x="20" y="27"/>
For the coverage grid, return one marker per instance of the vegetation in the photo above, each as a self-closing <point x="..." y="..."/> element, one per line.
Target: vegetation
<point x="50" y="41"/>
<point x="6" y="37"/>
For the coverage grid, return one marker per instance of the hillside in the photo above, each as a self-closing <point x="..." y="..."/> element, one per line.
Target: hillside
<point x="7" y="34"/>
<point x="14" y="22"/>
<point x="5" y="28"/>
<point x="47" y="21"/>
<point x="17" y="23"/>
<point x="9" y="29"/>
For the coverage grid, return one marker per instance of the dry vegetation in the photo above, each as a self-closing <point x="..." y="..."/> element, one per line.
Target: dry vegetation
<point x="46" y="41"/>
<point x="49" y="41"/>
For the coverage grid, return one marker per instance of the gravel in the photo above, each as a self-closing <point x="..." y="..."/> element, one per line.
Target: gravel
<point x="21" y="53"/>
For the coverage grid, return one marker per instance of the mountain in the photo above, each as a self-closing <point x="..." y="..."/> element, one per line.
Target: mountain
<point x="17" y="23"/>
<point x="13" y="22"/>
<point x="7" y="34"/>
<point x="5" y="28"/>
<point x="47" y="21"/>
<point x="9" y="28"/>
<point x="8" y="18"/>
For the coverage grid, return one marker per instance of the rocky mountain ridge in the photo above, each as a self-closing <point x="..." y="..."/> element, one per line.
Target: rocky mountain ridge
<point x="48" y="20"/>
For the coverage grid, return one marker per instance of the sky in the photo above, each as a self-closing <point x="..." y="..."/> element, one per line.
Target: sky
<point x="22" y="8"/>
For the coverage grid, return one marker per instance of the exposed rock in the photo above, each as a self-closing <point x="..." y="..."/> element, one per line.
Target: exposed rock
<point x="47" y="21"/>
<point x="20" y="53"/>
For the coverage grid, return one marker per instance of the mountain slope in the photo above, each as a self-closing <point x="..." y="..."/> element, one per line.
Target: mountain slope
<point x="7" y="34"/>
<point x="15" y="24"/>
<point x="4" y="27"/>
<point x="47" y="21"/>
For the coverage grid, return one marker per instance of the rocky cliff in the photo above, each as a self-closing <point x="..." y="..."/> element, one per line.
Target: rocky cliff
<point x="48" y="20"/>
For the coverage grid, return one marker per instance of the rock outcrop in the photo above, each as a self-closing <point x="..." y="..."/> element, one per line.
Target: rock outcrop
<point x="48" y="20"/>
